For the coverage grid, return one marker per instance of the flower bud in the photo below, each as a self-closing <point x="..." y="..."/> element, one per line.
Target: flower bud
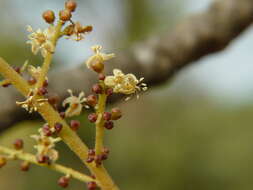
<point x="45" y="83"/>
<point x="101" y="76"/>
<point x="63" y="182"/>
<point x="87" y="29"/>
<point x="25" y="166"/>
<point x="3" y="161"/>
<point x="32" y="81"/>
<point x="48" y="16"/>
<point x="107" y="116"/>
<point x="96" y="88"/>
<point x="98" y="160"/>
<point x="58" y="127"/>
<point x="42" y="91"/>
<point x="46" y="130"/>
<point x="71" y="5"/>
<point x="116" y="113"/>
<point x="91" y="185"/>
<point x="18" y="144"/>
<point x="91" y="100"/>
<point x="62" y="114"/>
<point x="65" y="15"/>
<point x="92" y="117"/>
<point x="74" y="125"/>
<point x="109" y="91"/>
<point x="91" y="152"/>
<point x="108" y="125"/>
<point x="97" y="65"/>
<point x="43" y="159"/>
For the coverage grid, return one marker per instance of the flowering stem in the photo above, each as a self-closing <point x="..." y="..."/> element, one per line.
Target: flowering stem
<point x="57" y="167"/>
<point x="100" y="123"/>
<point x="49" y="56"/>
<point x="67" y="135"/>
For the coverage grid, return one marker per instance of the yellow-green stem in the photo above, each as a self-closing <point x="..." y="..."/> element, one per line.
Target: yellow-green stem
<point x="67" y="135"/>
<point x="100" y="124"/>
<point x="57" y="167"/>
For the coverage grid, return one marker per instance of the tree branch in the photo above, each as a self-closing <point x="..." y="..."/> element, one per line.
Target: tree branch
<point x="158" y="58"/>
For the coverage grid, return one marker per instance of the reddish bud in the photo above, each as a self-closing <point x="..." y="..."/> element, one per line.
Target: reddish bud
<point x="6" y="85"/>
<point x="116" y="113"/>
<point x="107" y="116"/>
<point x="90" y="159"/>
<point x="63" y="182"/>
<point x="65" y="15"/>
<point x="58" y="127"/>
<point x="98" y="160"/>
<point x="71" y="5"/>
<point x="46" y="130"/>
<point x="24" y="166"/>
<point x="101" y="76"/>
<point x="32" y="80"/>
<point x="48" y="16"/>
<point x="45" y="83"/>
<point x="106" y="150"/>
<point x="96" y="88"/>
<point x="17" y="69"/>
<point x="91" y="152"/>
<point x="92" y="117"/>
<point x="91" y="100"/>
<point x="91" y="185"/>
<point x="74" y="125"/>
<point x="18" y="144"/>
<point x="43" y="159"/>
<point x="108" y="125"/>
<point x="109" y="91"/>
<point x="42" y="91"/>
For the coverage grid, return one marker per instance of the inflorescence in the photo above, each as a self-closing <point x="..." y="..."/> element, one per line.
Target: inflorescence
<point x="44" y="41"/>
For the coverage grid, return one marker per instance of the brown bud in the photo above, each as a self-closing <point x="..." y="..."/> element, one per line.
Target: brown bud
<point x="74" y="125"/>
<point x="46" y="130"/>
<point x="3" y="161"/>
<point x="90" y="159"/>
<point x="116" y="113"/>
<point x="101" y="76"/>
<point x="63" y="182"/>
<point x="106" y="150"/>
<point x="87" y="29"/>
<point x="69" y="30"/>
<point x="98" y="160"/>
<point x="6" y="85"/>
<point x="45" y="83"/>
<point x="48" y="16"/>
<point x="18" y="144"/>
<point x="91" y="152"/>
<point x="42" y="91"/>
<point x="109" y="91"/>
<point x="91" y="100"/>
<point x="58" y="127"/>
<point x="91" y="185"/>
<point x="92" y="117"/>
<point x="24" y="166"/>
<point x="97" y="65"/>
<point x="71" y="5"/>
<point x="108" y="125"/>
<point x="96" y="88"/>
<point x="43" y="159"/>
<point x="32" y="81"/>
<point x="17" y="69"/>
<point x="107" y="116"/>
<point x="65" y="15"/>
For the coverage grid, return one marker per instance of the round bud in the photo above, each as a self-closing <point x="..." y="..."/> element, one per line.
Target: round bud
<point x="65" y="15"/>
<point x="98" y="160"/>
<point x="87" y="29"/>
<point x="74" y="125"/>
<point x="46" y="130"/>
<point x="24" y="166"/>
<point x="109" y="91"/>
<point x="71" y="5"/>
<point x="3" y="161"/>
<point x="92" y="117"/>
<point x="58" y="127"/>
<point x="101" y="76"/>
<point x="42" y="91"/>
<point x="107" y="116"/>
<point x="18" y="144"/>
<point x="17" y="69"/>
<point x="96" y="88"/>
<point x="108" y="125"/>
<point x="91" y="185"/>
<point x="63" y="182"/>
<point x="45" y="83"/>
<point x="32" y="81"/>
<point x="42" y="159"/>
<point x="48" y="16"/>
<point x="97" y="66"/>
<point x="91" y="100"/>
<point x="91" y="152"/>
<point x="116" y="113"/>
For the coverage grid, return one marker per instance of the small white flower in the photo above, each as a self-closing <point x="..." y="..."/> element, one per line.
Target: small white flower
<point x="75" y="104"/>
<point x="124" y="83"/>
<point x="41" y="40"/>
<point x="98" y="57"/>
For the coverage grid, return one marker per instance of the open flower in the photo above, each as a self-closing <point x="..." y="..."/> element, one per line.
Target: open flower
<point x="41" y="40"/>
<point x="45" y="145"/>
<point x="98" y="58"/>
<point x="75" y="104"/>
<point x="125" y="83"/>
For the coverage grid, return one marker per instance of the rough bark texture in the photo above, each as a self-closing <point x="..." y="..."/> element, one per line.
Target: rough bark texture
<point x="158" y="58"/>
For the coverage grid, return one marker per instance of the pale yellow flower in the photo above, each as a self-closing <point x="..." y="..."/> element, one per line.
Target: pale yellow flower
<point x="75" y="104"/>
<point x="45" y="145"/>
<point x="124" y="83"/>
<point x="98" y="57"/>
<point x="41" y="40"/>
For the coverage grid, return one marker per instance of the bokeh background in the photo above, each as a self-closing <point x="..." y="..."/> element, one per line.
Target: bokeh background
<point x="193" y="132"/>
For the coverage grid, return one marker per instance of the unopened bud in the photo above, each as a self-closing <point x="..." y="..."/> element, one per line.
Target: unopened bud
<point x="24" y="166"/>
<point x="48" y="16"/>
<point x="91" y="100"/>
<point x="71" y="5"/>
<point x="108" y="125"/>
<point x="116" y="113"/>
<point x="18" y="144"/>
<point x="65" y="15"/>
<point x="63" y="182"/>
<point x="96" y="88"/>
<point x="92" y="117"/>
<point x="91" y="185"/>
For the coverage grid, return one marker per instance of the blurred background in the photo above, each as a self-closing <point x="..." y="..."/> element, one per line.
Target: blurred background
<point x="193" y="132"/>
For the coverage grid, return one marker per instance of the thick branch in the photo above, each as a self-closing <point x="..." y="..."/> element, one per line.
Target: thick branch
<point x="158" y="58"/>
